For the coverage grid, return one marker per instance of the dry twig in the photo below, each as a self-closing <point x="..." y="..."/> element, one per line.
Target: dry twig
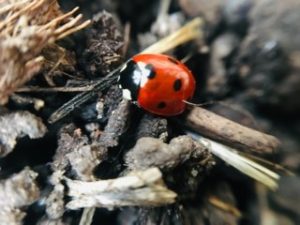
<point x="228" y="132"/>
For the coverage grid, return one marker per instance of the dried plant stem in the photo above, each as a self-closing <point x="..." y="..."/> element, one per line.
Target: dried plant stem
<point x="87" y="216"/>
<point x="87" y="87"/>
<point x="190" y="31"/>
<point x="74" y="29"/>
<point x="55" y="21"/>
<point x="143" y="188"/>
<point x="241" y="163"/>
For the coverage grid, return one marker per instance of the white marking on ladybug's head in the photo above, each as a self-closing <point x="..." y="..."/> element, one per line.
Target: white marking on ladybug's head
<point x="136" y="78"/>
<point x="126" y="94"/>
<point x="144" y="73"/>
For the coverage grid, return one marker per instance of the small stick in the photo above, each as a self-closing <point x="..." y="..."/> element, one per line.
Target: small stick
<point x="228" y="132"/>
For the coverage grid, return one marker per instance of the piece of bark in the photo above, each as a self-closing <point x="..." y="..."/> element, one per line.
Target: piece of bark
<point x="112" y="100"/>
<point x="16" y="192"/>
<point x="228" y="132"/>
<point x="139" y="188"/>
<point x="151" y="152"/>
<point x="116" y="125"/>
<point x="17" y="125"/>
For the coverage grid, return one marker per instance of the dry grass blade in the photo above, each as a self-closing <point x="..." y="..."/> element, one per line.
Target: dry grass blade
<point x="26" y="28"/>
<point x="224" y="206"/>
<point x="188" y="32"/>
<point x="241" y="163"/>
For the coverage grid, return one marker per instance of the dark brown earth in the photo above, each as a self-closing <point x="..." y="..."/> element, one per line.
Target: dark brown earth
<point x="248" y="71"/>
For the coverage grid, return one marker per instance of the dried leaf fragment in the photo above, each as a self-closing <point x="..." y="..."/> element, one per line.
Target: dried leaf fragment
<point x="116" y="125"/>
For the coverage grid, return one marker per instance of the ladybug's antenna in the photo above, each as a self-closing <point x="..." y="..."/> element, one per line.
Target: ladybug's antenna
<point x="200" y="104"/>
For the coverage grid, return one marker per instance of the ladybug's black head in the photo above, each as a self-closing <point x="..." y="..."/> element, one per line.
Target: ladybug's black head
<point x="133" y="76"/>
<point x="129" y="84"/>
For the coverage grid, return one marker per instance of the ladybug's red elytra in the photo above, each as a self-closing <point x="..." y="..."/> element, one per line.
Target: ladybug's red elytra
<point x="157" y="83"/>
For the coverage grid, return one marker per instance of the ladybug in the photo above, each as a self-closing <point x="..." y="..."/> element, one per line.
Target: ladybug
<point x="157" y="83"/>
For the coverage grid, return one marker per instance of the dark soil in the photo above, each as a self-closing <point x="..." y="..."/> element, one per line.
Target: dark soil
<point x="249" y="74"/>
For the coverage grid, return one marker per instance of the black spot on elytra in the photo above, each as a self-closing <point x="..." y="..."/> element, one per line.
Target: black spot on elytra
<point x="161" y="105"/>
<point x="177" y="85"/>
<point x="152" y="73"/>
<point x="172" y="60"/>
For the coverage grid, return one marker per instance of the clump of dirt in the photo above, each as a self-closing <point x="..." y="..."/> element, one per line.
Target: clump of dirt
<point x="110" y="162"/>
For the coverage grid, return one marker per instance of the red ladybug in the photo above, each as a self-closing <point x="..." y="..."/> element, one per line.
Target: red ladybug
<point x="157" y="83"/>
